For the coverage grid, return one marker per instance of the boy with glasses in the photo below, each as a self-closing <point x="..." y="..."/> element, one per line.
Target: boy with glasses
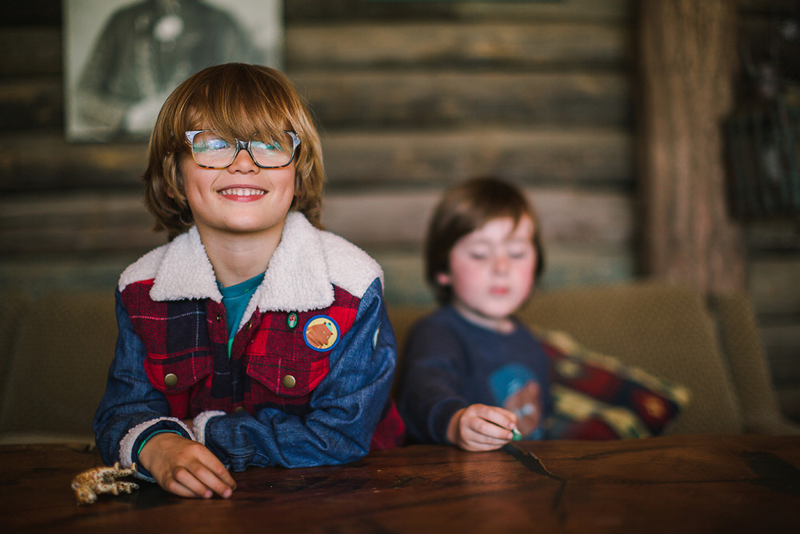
<point x="253" y="337"/>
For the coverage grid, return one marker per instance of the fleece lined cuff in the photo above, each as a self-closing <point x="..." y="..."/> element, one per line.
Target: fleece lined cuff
<point x="200" y="423"/>
<point x="127" y="448"/>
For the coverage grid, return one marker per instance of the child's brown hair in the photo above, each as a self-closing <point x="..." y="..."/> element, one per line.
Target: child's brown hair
<point x="465" y="208"/>
<point x="237" y="100"/>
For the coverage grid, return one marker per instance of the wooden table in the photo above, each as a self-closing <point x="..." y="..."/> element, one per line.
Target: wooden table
<point x="670" y="484"/>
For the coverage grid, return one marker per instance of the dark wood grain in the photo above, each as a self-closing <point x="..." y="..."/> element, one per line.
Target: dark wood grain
<point x="674" y="484"/>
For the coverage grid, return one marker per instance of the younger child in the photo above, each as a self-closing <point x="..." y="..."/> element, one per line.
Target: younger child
<point x="252" y="338"/>
<point x="475" y="376"/>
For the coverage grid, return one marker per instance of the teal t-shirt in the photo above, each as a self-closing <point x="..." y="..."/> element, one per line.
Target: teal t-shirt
<point x="235" y="298"/>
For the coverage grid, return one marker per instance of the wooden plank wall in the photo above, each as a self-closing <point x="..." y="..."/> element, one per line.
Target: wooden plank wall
<point x="410" y="97"/>
<point x="773" y="243"/>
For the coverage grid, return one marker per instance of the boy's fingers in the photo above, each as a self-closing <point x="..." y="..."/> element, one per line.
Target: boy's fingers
<point x="497" y="416"/>
<point x="218" y="485"/>
<point x="476" y="425"/>
<point x="203" y="483"/>
<point x="217" y="470"/>
<point x="493" y="431"/>
<point x="477" y="441"/>
<point x="185" y="484"/>
<point x="225" y="476"/>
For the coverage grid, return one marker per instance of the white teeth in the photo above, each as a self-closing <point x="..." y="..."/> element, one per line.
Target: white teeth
<point x="242" y="192"/>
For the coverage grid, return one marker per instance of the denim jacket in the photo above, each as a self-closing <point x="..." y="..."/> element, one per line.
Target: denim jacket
<point x="282" y="398"/>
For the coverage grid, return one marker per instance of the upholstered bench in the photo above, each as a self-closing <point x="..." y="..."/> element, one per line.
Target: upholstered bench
<point x="55" y="351"/>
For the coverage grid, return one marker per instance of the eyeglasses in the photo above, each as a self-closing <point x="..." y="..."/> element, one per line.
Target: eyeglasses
<point x="212" y="151"/>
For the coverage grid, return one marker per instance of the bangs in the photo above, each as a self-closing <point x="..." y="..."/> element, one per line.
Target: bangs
<point x="239" y="104"/>
<point x="488" y="202"/>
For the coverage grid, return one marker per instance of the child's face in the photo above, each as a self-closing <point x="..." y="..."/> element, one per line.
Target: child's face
<point x="241" y="198"/>
<point x="492" y="269"/>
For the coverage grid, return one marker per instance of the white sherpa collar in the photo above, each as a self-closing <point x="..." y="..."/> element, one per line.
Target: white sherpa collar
<point x="302" y="272"/>
<point x="185" y="272"/>
<point x="298" y="278"/>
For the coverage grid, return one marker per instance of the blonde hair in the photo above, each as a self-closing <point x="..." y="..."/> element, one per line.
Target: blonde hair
<point x="237" y="100"/>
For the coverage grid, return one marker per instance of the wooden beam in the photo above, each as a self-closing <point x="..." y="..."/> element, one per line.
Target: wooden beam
<point x="447" y="98"/>
<point x="331" y="11"/>
<point x="535" y="156"/>
<point x="45" y="160"/>
<point x="774" y="286"/>
<point x="687" y="67"/>
<point x="400" y="218"/>
<point x="447" y="44"/>
<point x="78" y="223"/>
<point x="592" y="156"/>
<point x="30" y="51"/>
<point x="31" y="103"/>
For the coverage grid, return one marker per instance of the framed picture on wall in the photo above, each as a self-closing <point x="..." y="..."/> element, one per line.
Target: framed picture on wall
<point x="124" y="57"/>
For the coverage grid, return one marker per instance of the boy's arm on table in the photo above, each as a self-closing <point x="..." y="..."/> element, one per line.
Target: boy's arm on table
<point x="345" y="407"/>
<point x="132" y="410"/>
<point x="432" y="400"/>
<point x="432" y="382"/>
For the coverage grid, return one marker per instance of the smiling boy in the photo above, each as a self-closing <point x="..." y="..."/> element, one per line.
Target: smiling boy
<point x="218" y="365"/>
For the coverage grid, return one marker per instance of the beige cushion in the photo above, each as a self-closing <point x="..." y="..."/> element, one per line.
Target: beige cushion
<point x="738" y="333"/>
<point x="661" y="328"/>
<point x="58" y="367"/>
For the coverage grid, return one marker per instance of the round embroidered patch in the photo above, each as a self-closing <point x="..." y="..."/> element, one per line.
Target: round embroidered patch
<point x="321" y="333"/>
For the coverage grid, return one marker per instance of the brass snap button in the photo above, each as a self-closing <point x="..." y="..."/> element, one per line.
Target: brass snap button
<point x="239" y="409"/>
<point x="289" y="382"/>
<point x="171" y="380"/>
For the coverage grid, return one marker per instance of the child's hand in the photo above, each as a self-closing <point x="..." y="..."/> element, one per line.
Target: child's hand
<point x="481" y="428"/>
<point x="185" y="467"/>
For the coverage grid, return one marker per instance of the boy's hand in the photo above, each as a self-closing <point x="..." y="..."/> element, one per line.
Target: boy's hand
<point x="481" y="428"/>
<point x="185" y="467"/>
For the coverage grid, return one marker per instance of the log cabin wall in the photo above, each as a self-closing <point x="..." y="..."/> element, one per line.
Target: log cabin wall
<point x="773" y="242"/>
<point x="410" y="97"/>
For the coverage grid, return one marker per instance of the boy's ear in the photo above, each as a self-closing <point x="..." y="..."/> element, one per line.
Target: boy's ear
<point x="443" y="279"/>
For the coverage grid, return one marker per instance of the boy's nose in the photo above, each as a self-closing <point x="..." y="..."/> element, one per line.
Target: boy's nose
<point x="243" y="162"/>
<point x="501" y="263"/>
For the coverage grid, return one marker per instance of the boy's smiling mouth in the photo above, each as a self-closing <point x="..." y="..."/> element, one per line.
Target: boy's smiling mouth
<point x="241" y="193"/>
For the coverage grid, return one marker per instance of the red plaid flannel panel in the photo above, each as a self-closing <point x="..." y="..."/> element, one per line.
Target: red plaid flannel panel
<point x="279" y="359"/>
<point x="270" y="364"/>
<point x="175" y="336"/>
